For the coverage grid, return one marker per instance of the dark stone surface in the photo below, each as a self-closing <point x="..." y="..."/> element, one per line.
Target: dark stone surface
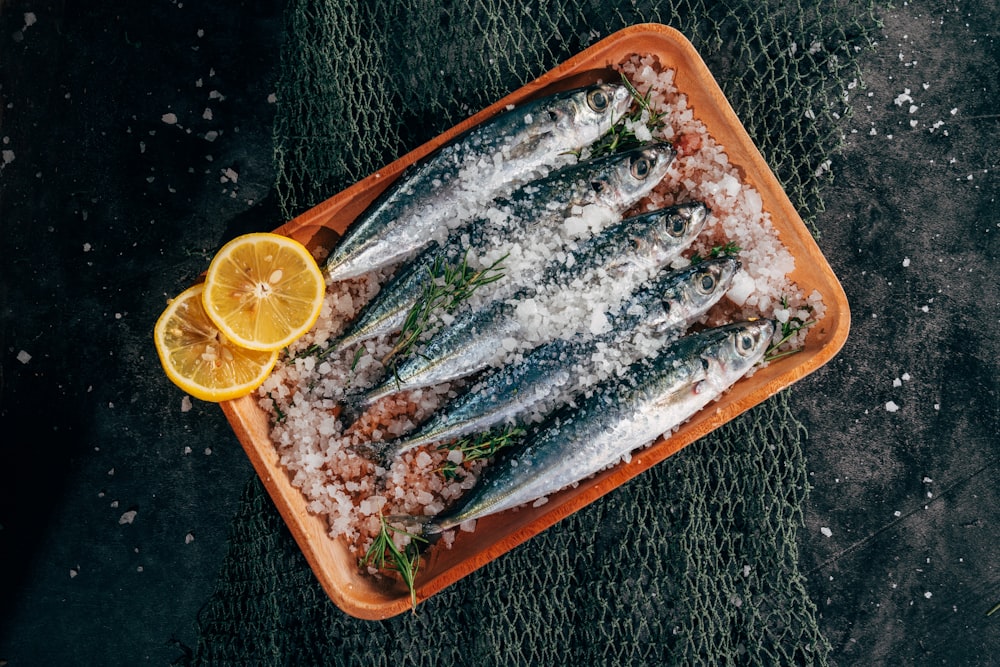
<point x="107" y="210"/>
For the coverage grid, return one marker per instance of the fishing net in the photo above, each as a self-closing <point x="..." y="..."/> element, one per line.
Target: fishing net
<point x="693" y="562"/>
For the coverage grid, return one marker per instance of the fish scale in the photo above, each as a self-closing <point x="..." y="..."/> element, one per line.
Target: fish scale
<point x="537" y="208"/>
<point x="491" y="158"/>
<point x="476" y="339"/>
<point x="655" y="396"/>
<point x="549" y="375"/>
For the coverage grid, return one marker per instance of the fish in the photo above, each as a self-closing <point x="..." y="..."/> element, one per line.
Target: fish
<point x="611" y="183"/>
<point x="547" y="377"/>
<point x="657" y="395"/>
<point x="510" y="148"/>
<point x="479" y="338"/>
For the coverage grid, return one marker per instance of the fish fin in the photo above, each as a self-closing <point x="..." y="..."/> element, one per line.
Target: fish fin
<point x="352" y="406"/>
<point x="375" y="451"/>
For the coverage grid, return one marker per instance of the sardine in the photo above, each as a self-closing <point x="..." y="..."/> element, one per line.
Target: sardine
<point x="656" y="396"/>
<point x="612" y="183"/>
<point x="548" y="375"/>
<point x="479" y="338"/>
<point x="510" y="148"/>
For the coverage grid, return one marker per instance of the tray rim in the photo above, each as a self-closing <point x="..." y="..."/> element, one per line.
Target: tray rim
<point x="291" y="503"/>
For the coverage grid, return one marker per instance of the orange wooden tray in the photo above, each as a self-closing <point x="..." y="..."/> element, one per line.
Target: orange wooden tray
<point x="366" y="597"/>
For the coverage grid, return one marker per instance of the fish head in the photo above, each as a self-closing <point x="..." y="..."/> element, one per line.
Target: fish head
<point x="738" y="347"/>
<point x="573" y="119"/>
<point x="687" y="294"/>
<point x="591" y="110"/>
<point x="666" y="232"/>
<point x="626" y="177"/>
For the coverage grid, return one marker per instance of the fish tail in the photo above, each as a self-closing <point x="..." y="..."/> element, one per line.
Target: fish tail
<point x="421" y="526"/>
<point x="352" y="406"/>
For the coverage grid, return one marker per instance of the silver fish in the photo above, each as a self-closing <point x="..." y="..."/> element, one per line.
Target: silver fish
<point x="614" y="182"/>
<point x="545" y="378"/>
<point x="476" y="338"/>
<point x="658" y="395"/>
<point x="510" y="148"/>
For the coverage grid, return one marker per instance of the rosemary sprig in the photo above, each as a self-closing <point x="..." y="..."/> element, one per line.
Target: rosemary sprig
<point x="479" y="446"/>
<point x="385" y="555"/>
<point x="619" y="136"/>
<point x="725" y="250"/>
<point x="447" y="287"/>
<point x="788" y="329"/>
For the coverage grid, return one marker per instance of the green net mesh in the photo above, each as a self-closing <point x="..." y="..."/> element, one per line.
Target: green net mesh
<point x="695" y="561"/>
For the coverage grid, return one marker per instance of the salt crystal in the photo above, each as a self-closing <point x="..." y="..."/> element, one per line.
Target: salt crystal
<point x="29" y="19"/>
<point x="890" y="406"/>
<point x="897" y="383"/>
<point x="169" y="118"/>
<point x="906" y="261"/>
<point x="826" y="531"/>
<point x="189" y="538"/>
<point x="927" y="480"/>
<point x="127" y="517"/>
<point x="23" y="357"/>
<point x="906" y="377"/>
<point x="928" y="595"/>
<point x="272" y="98"/>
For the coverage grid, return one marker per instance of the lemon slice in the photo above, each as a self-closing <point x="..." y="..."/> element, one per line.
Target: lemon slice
<point x="199" y="359"/>
<point x="263" y="291"/>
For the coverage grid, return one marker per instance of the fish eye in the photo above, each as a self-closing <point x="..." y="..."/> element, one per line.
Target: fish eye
<point x="598" y="186"/>
<point x="707" y="283"/>
<point x="597" y="99"/>
<point x="641" y="168"/>
<point x="744" y="344"/>
<point x="553" y="116"/>
<point x="677" y="227"/>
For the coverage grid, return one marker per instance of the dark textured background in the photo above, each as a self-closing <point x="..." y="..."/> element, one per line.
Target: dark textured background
<point x="106" y="210"/>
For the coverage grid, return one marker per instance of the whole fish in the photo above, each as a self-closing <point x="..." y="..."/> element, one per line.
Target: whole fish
<point x="548" y="375"/>
<point x="478" y="338"/>
<point x="657" y="395"/>
<point x="507" y="149"/>
<point x="612" y="183"/>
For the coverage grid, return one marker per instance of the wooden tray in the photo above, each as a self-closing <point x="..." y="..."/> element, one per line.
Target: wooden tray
<point x="365" y="597"/>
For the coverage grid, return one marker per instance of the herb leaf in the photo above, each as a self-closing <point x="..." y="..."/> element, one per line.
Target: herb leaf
<point x="620" y="136"/>
<point x="385" y="555"/>
<point x="447" y="288"/>
<point x="479" y="446"/>
<point x="727" y="250"/>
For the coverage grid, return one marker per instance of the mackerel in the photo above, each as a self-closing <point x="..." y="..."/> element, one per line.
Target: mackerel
<point x="553" y="373"/>
<point x="656" y="395"/>
<point x="511" y="148"/>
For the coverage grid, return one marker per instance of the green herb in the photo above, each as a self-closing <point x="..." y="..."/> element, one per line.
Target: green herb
<point x="727" y="250"/>
<point x="279" y="416"/>
<point x="788" y="329"/>
<point x="314" y="350"/>
<point x="447" y="287"/>
<point x="479" y="446"/>
<point x="619" y="137"/>
<point x="385" y="555"/>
